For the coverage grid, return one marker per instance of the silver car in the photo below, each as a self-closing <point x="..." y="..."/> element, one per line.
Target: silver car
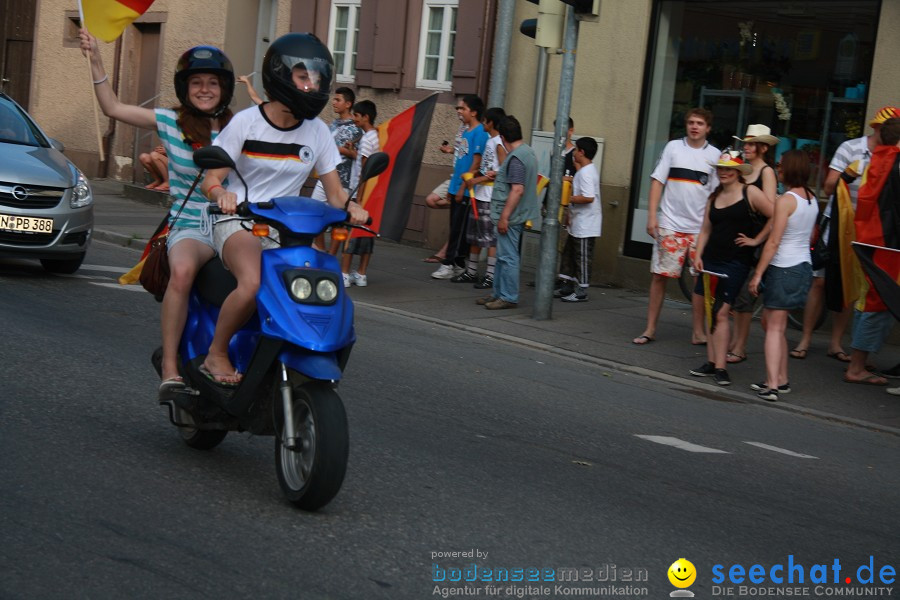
<point x="46" y="204"/>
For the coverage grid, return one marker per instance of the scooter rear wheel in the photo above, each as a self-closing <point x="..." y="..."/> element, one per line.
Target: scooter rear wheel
<point x="200" y="439"/>
<point x="312" y="474"/>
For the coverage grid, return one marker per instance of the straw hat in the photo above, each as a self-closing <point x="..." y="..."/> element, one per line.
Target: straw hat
<point x="727" y="161"/>
<point x="888" y="112"/>
<point x="758" y="133"/>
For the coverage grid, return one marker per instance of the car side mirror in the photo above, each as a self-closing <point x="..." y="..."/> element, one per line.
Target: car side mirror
<point x="375" y="165"/>
<point x="57" y="145"/>
<point x="212" y="157"/>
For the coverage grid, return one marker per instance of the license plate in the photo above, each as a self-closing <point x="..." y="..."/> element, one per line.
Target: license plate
<point x="27" y="224"/>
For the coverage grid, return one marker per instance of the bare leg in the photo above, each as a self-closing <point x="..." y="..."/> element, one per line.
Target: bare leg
<point x="363" y="263"/>
<point x="857" y="371"/>
<point x="839" y="323"/>
<point x="241" y="254"/>
<point x="185" y="259"/>
<point x="146" y="161"/>
<point x="717" y="347"/>
<point x="775" y="322"/>
<point x="741" y="333"/>
<point x="814" y="302"/>
<point x="698" y="311"/>
<point x="654" y="306"/>
<point x="160" y="165"/>
<point x="346" y="261"/>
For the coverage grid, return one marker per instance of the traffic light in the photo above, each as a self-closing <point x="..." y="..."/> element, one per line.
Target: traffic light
<point x="584" y="8"/>
<point x="547" y="29"/>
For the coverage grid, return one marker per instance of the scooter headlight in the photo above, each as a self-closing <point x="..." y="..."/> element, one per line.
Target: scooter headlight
<point x="326" y="290"/>
<point x="301" y="288"/>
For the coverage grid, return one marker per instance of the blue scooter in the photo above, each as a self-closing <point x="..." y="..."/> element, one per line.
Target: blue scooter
<point x="292" y="352"/>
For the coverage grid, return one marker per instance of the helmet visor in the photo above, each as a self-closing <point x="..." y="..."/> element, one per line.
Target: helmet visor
<point x="308" y="74"/>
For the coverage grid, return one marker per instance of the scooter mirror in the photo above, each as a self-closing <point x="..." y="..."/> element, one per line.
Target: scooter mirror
<point x="375" y="165"/>
<point x="212" y="157"/>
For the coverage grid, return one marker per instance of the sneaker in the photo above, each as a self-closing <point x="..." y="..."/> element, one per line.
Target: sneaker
<point x="444" y="272"/>
<point x="346" y="279"/>
<point x="562" y="291"/>
<point x="721" y="377"/>
<point x="574" y="297"/>
<point x="761" y="386"/>
<point x="485" y="300"/>
<point x="708" y="369"/>
<point x="768" y="394"/>
<point x="464" y="277"/>
<point x="893" y="391"/>
<point x="359" y="280"/>
<point x="485" y="283"/>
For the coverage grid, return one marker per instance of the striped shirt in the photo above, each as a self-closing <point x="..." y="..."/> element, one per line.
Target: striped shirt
<point x="847" y="153"/>
<point x="182" y="169"/>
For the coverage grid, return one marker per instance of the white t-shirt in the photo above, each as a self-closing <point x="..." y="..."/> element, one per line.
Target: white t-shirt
<point x="489" y="162"/>
<point x="275" y="162"/>
<point x="586" y="220"/>
<point x="368" y="145"/>
<point x="689" y="180"/>
<point x="846" y="154"/>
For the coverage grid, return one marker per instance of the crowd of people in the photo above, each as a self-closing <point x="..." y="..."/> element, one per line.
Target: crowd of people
<point x="720" y="214"/>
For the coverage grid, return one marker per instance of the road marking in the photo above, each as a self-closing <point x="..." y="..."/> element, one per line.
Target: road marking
<point x="104" y="268"/>
<point x="680" y="444"/>
<point x="119" y="286"/>
<point x="78" y="276"/>
<point x="781" y="450"/>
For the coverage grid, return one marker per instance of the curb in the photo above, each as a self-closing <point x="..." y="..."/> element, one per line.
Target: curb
<point x="694" y="386"/>
<point x="120" y="240"/>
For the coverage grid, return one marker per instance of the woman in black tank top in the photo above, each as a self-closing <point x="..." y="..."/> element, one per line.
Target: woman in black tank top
<point x="759" y="155"/>
<point x="727" y="218"/>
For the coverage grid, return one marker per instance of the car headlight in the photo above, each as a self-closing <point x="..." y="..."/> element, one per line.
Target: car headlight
<point x="301" y="288"/>
<point x="81" y="193"/>
<point x="326" y="290"/>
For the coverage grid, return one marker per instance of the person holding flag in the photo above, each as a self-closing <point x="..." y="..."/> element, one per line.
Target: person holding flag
<point x="722" y="259"/>
<point x="787" y="266"/>
<point x="204" y="85"/>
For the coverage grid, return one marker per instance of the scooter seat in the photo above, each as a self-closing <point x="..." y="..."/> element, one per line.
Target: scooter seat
<point x="214" y="282"/>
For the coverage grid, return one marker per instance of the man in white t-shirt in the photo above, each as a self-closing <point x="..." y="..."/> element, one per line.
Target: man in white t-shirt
<point x="681" y="184"/>
<point x="585" y="223"/>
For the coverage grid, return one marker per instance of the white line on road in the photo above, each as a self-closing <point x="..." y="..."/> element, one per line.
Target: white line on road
<point x="680" y="444"/>
<point x="77" y="276"/>
<point x="104" y="268"/>
<point x="781" y="450"/>
<point x="119" y="286"/>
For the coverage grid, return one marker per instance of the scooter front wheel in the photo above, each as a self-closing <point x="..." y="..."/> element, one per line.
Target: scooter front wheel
<point x="312" y="471"/>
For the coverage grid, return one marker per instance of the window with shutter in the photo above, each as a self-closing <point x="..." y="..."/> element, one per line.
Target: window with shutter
<point x="437" y="40"/>
<point x="343" y="35"/>
<point x="474" y="43"/>
<point x="382" y="33"/>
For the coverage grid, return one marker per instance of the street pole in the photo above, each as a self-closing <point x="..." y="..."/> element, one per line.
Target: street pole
<point x="546" y="271"/>
<point x="506" y="12"/>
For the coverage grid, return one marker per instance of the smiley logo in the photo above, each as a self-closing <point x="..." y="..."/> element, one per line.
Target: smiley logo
<point x="682" y="573"/>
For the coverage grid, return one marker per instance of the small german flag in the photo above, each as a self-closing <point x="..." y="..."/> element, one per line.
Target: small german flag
<point x="710" y="302"/>
<point x="107" y="19"/>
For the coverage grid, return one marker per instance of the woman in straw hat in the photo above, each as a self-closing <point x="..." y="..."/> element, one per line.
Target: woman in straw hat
<point x="727" y="219"/>
<point x="787" y="267"/>
<point x="758" y="151"/>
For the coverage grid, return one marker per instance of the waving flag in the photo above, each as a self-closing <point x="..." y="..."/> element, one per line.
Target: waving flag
<point x="882" y="267"/>
<point x="107" y="19"/>
<point x="388" y="197"/>
<point x="843" y="276"/>
<point x="711" y="304"/>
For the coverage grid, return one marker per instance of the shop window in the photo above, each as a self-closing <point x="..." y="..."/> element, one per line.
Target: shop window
<point x="801" y="68"/>
<point x="343" y="32"/>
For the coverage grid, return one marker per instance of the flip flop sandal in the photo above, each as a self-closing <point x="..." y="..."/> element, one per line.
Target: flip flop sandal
<point x="799" y="353"/>
<point x="841" y="356"/>
<point x="870" y="379"/>
<point x="642" y="340"/>
<point x="733" y="359"/>
<point x="172" y="383"/>
<point x="216" y="378"/>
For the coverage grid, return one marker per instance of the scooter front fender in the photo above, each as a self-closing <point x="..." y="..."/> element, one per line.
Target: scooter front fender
<point x="325" y="366"/>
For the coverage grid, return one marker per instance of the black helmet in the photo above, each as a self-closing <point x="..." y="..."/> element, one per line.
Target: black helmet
<point x="204" y="59"/>
<point x="299" y="51"/>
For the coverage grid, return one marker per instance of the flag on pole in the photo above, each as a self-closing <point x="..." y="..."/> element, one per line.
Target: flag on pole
<point x="882" y="268"/>
<point x="877" y="220"/>
<point x="388" y="197"/>
<point x="710" y="303"/>
<point x="107" y="19"/>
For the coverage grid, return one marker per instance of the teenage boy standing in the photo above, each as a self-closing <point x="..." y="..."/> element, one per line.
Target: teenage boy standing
<point x="681" y="184"/>
<point x="468" y="159"/>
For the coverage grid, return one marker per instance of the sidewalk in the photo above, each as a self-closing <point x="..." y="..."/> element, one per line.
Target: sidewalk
<point x="598" y="331"/>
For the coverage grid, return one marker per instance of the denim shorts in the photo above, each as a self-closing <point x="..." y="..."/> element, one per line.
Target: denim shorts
<point x="786" y="288"/>
<point x="870" y="330"/>
<point x="189" y="233"/>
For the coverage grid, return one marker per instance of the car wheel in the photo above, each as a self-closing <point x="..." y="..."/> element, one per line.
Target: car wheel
<point x="63" y="266"/>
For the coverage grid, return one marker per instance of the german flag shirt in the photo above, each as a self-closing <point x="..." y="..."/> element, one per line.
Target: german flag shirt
<point x="275" y="161"/>
<point x="689" y="179"/>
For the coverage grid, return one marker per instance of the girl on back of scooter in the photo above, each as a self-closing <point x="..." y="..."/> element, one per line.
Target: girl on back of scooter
<point x="275" y="146"/>
<point x="204" y="85"/>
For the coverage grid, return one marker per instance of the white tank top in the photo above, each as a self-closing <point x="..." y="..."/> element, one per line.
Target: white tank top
<point x="794" y="246"/>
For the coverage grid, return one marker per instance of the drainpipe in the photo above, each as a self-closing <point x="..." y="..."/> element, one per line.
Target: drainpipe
<point x="110" y="132"/>
<point x="505" y="14"/>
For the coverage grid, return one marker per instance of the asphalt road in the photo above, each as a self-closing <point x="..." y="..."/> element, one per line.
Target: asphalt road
<point x="458" y="443"/>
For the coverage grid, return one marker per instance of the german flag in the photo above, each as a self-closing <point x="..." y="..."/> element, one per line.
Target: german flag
<point x="843" y="275"/>
<point x="878" y="216"/>
<point x="107" y="19"/>
<point x="711" y="304"/>
<point x="388" y="197"/>
<point x="882" y="267"/>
